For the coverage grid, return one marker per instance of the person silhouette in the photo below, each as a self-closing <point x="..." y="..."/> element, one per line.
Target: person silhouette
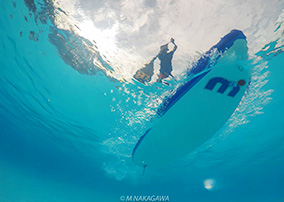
<point x="165" y="58"/>
<point x="145" y="74"/>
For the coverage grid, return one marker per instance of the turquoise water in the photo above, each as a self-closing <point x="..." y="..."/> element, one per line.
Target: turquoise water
<point x="71" y="114"/>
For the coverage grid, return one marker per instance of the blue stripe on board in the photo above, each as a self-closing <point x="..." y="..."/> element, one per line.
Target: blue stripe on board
<point x="225" y="43"/>
<point x="169" y="102"/>
<point x="139" y="141"/>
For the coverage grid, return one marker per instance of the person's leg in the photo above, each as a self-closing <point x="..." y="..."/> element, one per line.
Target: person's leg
<point x="161" y="76"/>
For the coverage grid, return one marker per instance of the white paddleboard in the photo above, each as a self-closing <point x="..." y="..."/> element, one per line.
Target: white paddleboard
<point x="199" y="113"/>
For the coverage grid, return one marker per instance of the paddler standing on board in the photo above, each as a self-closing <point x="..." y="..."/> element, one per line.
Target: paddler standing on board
<point x="145" y="74"/>
<point x="165" y="58"/>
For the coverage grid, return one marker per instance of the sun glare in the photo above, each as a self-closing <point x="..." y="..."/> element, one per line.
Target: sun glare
<point x="209" y="184"/>
<point x="104" y="38"/>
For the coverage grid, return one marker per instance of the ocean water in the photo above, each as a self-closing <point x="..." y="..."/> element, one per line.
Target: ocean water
<point x="71" y="112"/>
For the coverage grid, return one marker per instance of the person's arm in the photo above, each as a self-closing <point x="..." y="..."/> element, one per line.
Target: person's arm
<point x="173" y="42"/>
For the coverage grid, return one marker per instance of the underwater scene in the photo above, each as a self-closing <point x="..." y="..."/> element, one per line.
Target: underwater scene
<point x="145" y="100"/>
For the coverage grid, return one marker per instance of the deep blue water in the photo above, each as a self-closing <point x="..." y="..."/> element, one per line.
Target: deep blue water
<point x="70" y="117"/>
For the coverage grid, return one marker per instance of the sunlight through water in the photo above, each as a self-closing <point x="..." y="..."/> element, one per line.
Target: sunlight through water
<point x="73" y="108"/>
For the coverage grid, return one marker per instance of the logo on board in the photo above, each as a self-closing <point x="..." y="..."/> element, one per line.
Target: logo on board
<point x="225" y="84"/>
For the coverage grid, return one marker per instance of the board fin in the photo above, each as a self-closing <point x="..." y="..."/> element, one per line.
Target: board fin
<point x="144" y="168"/>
